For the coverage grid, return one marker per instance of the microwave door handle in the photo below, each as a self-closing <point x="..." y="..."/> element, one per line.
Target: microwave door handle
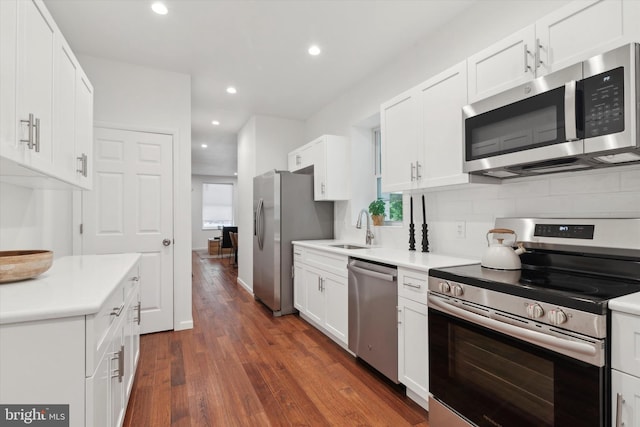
<point x="514" y="331"/>
<point x="570" y="128"/>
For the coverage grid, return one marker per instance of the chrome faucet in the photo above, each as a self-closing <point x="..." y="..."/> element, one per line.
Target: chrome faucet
<point x="370" y="235"/>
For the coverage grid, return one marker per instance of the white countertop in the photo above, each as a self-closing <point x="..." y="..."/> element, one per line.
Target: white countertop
<point x="627" y="304"/>
<point x="73" y="286"/>
<point x="400" y="257"/>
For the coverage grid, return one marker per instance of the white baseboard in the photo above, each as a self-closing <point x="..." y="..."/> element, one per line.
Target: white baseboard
<point x="183" y="325"/>
<point x="245" y="286"/>
<point x="418" y="399"/>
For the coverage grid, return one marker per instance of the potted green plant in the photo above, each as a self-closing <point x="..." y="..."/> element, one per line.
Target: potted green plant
<point x="376" y="209"/>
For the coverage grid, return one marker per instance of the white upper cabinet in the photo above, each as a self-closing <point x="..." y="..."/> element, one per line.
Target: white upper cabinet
<point x="569" y="35"/>
<point x="9" y="146"/>
<point x="35" y="72"/>
<point x="46" y="119"/>
<point x="441" y="100"/>
<point x="578" y="31"/>
<point x="399" y="127"/>
<point x="330" y="157"/>
<point x="422" y="134"/>
<point x="505" y="64"/>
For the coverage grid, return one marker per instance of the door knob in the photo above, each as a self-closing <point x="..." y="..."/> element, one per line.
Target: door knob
<point x="166" y="242"/>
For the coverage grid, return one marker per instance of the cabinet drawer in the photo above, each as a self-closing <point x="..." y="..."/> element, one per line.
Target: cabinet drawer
<point x="333" y="263"/>
<point x="625" y="353"/>
<point x="298" y="254"/>
<point x="99" y="327"/>
<point x="413" y="285"/>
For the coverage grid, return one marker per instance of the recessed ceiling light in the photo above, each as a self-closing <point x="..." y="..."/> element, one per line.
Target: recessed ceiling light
<point x="314" y="50"/>
<point x="235" y="173"/>
<point x="204" y="145"/>
<point x="231" y="89"/>
<point x="159" y="8"/>
<point x="215" y="123"/>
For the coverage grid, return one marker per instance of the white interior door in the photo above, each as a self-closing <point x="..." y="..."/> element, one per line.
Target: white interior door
<point x="131" y="210"/>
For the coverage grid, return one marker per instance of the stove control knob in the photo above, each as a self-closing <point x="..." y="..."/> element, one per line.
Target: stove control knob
<point x="534" y="311"/>
<point x="457" y="290"/>
<point x="444" y="287"/>
<point x="557" y="317"/>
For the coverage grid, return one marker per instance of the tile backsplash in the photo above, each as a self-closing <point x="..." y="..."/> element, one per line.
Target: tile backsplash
<point x="611" y="192"/>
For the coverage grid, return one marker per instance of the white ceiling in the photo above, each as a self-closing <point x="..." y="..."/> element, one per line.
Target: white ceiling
<point x="258" y="46"/>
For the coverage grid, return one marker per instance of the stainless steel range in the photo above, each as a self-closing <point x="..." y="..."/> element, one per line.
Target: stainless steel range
<point x="530" y="347"/>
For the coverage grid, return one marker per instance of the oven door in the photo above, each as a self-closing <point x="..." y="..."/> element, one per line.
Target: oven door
<point x="535" y="122"/>
<point x="492" y="379"/>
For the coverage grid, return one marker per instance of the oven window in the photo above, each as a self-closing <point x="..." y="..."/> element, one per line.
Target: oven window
<point x="510" y="374"/>
<point x="530" y="123"/>
<point x="496" y="380"/>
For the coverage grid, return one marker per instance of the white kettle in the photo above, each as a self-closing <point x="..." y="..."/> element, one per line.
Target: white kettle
<point x="500" y="256"/>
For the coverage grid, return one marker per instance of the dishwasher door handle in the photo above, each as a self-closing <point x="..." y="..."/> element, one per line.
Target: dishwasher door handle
<point x="377" y="275"/>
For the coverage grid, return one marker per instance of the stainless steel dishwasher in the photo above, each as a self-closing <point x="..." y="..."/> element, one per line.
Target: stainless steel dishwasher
<point x="373" y="315"/>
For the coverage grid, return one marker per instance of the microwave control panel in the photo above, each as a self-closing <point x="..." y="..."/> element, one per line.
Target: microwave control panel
<point x="603" y="97"/>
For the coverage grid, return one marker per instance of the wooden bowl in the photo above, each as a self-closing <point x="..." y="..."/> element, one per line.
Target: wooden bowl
<point x="21" y="265"/>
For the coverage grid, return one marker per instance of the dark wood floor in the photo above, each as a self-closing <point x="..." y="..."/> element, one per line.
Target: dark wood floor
<point x="239" y="366"/>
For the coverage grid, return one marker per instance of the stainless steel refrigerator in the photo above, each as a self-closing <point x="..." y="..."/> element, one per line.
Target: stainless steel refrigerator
<point x="283" y="211"/>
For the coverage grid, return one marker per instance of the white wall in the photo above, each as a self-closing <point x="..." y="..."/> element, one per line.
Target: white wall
<point x="199" y="237"/>
<point x="146" y="99"/>
<point x="36" y="219"/>
<point x="263" y="144"/>
<point x="610" y="192"/>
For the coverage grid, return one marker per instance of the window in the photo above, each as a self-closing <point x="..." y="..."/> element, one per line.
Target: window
<point x="217" y="205"/>
<point x="392" y="201"/>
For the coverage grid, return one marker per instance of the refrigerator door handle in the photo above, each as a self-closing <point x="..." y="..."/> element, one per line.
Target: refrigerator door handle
<point x="260" y="227"/>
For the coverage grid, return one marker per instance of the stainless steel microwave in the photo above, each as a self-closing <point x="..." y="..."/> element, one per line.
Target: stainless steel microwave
<point x="581" y="117"/>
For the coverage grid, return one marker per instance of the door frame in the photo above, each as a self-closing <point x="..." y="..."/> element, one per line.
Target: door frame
<point x="178" y="324"/>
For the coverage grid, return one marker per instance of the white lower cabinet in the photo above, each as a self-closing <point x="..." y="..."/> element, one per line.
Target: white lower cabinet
<point x="625" y="373"/>
<point x="90" y="360"/>
<point x="413" y="354"/>
<point x="320" y="291"/>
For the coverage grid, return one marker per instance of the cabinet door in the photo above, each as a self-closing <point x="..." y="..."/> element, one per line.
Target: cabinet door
<point x="320" y="161"/>
<point x="116" y="383"/>
<point x="64" y="111"/>
<point x="578" y="31"/>
<point x="399" y="128"/>
<point x="336" y="299"/>
<point x="625" y="392"/>
<point x="84" y="132"/>
<point x="333" y="168"/>
<point x="98" y="396"/>
<point x="299" y="291"/>
<point x="35" y="71"/>
<point x="441" y="102"/>
<point x="131" y="342"/>
<point x="413" y="356"/>
<point x="315" y="296"/>
<point x="9" y="145"/>
<point x="503" y="65"/>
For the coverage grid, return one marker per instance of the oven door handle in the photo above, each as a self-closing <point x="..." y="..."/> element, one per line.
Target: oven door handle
<point x="514" y="331"/>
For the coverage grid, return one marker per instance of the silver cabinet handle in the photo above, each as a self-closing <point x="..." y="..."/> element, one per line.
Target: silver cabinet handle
<point x="319" y="282"/>
<point x="119" y="372"/>
<point x="117" y="310"/>
<point x="418" y="168"/>
<point x="619" y="403"/>
<point x="527" y="67"/>
<point x="538" y="61"/>
<point x="322" y="187"/>
<point x="412" y="172"/>
<point x="83" y="165"/>
<point x="138" y="309"/>
<point x="399" y="310"/>
<point x="37" y="135"/>
<point x="411" y="285"/>
<point x="30" y="142"/>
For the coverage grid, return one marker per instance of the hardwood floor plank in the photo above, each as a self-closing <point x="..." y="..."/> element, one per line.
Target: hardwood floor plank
<point x="240" y="366"/>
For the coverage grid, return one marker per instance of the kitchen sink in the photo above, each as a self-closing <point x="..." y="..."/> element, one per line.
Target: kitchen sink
<point x="348" y="246"/>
